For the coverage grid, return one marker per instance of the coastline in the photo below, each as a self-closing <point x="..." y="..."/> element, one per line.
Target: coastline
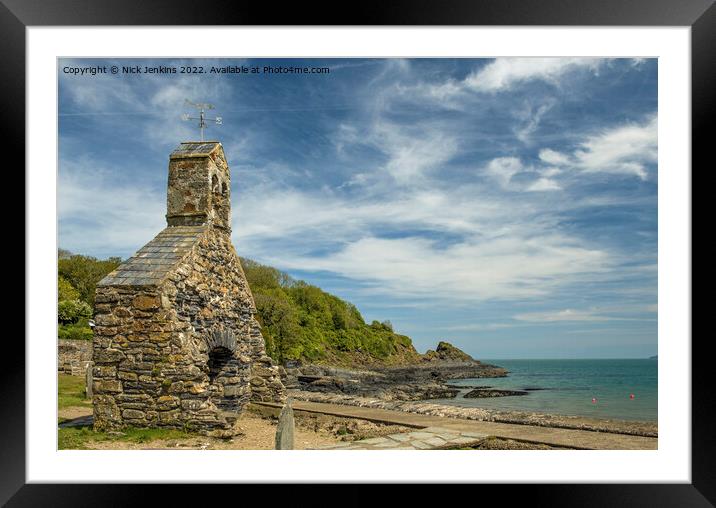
<point x="340" y="421"/>
<point x="614" y="426"/>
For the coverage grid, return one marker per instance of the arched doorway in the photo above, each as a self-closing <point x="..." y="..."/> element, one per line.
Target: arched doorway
<point x="219" y="359"/>
<point x="226" y="379"/>
<point x="228" y="376"/>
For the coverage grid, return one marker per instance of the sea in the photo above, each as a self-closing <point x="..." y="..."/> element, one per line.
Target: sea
<point x="616" y="389"/>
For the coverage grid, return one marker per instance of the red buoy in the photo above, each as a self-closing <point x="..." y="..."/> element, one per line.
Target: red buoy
<point x="594" y="400"/>
<point x="631" y="396"/>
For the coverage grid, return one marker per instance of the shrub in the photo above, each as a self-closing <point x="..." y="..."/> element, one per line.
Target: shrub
<point x="65" y="290"/>
<point x="75" y="331"/>
<point x="72" y="311"/>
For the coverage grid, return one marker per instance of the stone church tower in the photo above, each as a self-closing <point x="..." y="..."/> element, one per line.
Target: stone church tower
<point x="176" y="341"/>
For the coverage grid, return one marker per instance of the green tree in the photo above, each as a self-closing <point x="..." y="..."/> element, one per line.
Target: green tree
<point x="84" y="272"/>
<point x="301" y="321"/>
<point x="279" y="321"/>
<point x="65" y="290"/>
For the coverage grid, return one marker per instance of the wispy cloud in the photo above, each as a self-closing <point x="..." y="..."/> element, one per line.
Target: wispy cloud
<point x="481" y="192"/>
<point x="506" y="72"/>
<point x="552" y="157"/>
<point x="561" y="315"/>
<point x="504" y="170"/>
<point x="501" y="268"/>
<point x="596" y="314"/>
<point x="413" y="154"/>
<point x="624" y="149"/>
<point x="100" y="212"/>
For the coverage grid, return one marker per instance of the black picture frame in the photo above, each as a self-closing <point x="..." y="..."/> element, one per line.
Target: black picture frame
<point x="700" y="15"/>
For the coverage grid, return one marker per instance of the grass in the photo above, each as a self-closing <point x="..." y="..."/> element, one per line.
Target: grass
<point x="78" y="438"/>
<point x="71" y="392"/>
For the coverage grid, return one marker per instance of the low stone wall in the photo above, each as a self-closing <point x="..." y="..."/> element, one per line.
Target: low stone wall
<point x="73" y="356"/>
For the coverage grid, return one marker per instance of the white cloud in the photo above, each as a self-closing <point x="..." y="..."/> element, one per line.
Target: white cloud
<point x="480" y="327"/>
<point x="543" y="184"/>
<point x="498" y="268"/>
<point x="411" y="151"/>
<point x="498" y="247"/>
<point x="625" y="149"/>
<point x="465" y="242"/>
<point x="625" y="312"/>
<point x="502" y="169"/>
<point x="267" y="212"/>
<point x="550" y="172"/>
<point x="504" y="73"/>
<point x="561" y="315"/>
<point x="553" y="157"/>
<point x="531" y="117"/>
<point x="119" y="214"/>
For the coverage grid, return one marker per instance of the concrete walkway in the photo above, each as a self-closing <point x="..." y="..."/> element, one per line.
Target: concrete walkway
<point x="565" y="438"/>
<point x="431" y="438"/>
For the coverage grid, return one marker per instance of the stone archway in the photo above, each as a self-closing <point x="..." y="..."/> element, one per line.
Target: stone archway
<point x="227" y="375"/>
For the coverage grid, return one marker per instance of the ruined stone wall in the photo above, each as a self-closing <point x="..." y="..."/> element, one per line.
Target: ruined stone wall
<point x="73" y="356"/>
<point x="132" y="338"/>
<point x="186" y="354"/>
<point x="150" y="369"/>
<point x="210" y="291"/>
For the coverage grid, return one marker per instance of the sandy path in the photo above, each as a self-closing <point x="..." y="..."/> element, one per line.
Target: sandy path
<point x="256" y="434"/>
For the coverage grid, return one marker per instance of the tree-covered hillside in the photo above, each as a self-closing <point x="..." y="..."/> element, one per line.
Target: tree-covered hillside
<point x="299" y="321"/>
<point x="303" y="322"/>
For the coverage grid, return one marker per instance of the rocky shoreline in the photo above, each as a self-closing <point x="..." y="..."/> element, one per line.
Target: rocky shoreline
<point x="411" y="388"/>
<point x="481" y="393"/>
<point x="411" y="382"/>
<point x="635" y="428"/>
<point x="424" y="379"/>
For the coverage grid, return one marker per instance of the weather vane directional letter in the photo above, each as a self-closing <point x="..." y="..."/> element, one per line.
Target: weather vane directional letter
<point x="201" y="106"/>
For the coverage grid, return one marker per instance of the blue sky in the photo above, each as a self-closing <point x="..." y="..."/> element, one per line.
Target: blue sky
<point x="508" y="206"/>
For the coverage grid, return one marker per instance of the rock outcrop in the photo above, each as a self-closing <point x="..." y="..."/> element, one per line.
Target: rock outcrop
<point x="482" y="393"/>
<point x="446" y="352"/>
<point x="424" y="379"/>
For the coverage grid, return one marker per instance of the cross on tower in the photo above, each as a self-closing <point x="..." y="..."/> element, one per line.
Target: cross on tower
<point x="201" y="106"/>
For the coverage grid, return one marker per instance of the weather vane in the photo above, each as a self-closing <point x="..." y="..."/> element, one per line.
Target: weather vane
<point x="201" y="106"/>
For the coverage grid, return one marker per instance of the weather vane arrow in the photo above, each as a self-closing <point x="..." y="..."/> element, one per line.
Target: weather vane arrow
<point x="202" y="107"/>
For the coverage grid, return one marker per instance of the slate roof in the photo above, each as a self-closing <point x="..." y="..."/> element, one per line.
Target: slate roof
<point x="194" y="149"/>
<point x="155" y="260"/>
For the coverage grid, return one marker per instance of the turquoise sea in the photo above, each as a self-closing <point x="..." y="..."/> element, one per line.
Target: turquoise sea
<point x="568" y="387"/>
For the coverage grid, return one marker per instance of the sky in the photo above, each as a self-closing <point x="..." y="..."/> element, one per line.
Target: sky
<point x="508" y="206"/>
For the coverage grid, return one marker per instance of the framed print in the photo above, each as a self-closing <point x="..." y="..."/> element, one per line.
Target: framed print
<point x="431" y="245"/>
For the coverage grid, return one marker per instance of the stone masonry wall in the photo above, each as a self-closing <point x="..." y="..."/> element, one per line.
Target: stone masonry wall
<point x="135" y="334"/>
<point x="211" y="292"/>
<point x="73" y="356"/>
<point x="188" y="202"/>
<point x="176" y="341"/>
<point x="186" y="354"/>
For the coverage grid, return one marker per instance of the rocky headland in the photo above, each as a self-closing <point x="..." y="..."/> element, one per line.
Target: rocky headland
<point x="424" y="378"/>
